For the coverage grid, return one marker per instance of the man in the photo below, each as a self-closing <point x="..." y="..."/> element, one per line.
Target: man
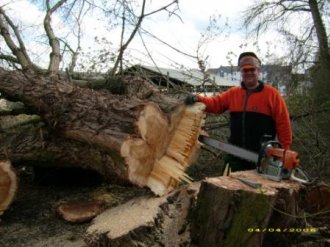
<point x="256" y="109"/>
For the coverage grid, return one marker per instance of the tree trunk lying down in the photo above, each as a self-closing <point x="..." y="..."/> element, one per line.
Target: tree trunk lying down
<point x="220" y="211"/>
<point x="8" y="185"/>
<point x="150" y="144"/>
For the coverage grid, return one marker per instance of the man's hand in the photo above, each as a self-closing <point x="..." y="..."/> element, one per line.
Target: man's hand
<point x="190" y="99"/>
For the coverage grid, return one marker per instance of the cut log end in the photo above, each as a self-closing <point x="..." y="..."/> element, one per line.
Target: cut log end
<point x="80" y="211"/>
<point x="159" y="158"/>
<point x="8" y="185"/>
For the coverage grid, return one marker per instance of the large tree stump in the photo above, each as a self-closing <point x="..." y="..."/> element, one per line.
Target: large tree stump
<point x="230" y="213"/>
<point x="8" y="185"/>
<point x="150" y="138"/>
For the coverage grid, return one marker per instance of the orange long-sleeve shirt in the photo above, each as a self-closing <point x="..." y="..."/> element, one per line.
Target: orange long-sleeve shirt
<point x="253" y="114"/>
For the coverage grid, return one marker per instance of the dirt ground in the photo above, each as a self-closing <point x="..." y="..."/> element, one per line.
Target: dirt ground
<point x="32" y="221"/>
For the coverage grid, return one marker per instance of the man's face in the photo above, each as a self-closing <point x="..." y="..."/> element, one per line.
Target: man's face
<point x="250" y="76"/>
<point x="249" y="68"/>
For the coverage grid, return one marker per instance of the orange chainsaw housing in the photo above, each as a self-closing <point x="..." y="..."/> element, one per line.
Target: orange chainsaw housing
<point x="289" y="158"/>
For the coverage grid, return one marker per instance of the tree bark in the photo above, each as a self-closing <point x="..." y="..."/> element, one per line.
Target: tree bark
<point x="153" y="143"/>
<point x="36" y="146"/>
<point x="321" y="32"/>
<point x="230" y="213"/>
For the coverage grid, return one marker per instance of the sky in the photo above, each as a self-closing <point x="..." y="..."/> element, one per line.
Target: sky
<point x="183" y="33"/>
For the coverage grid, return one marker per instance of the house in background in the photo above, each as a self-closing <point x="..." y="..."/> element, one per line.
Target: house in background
<point x="182" y="80"/>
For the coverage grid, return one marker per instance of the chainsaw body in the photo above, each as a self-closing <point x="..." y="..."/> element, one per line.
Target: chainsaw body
<point x="273" y="161"/>
<point x="276" y="163"/>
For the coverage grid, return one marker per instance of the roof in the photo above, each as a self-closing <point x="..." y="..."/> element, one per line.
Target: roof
<point x="192" y="77"/>
<point x="264" y="68"/>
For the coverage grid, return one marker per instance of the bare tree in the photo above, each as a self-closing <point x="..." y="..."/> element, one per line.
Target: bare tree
<point x="11" y="33"/>
<point x="74" y="11"/>
<point x="137" y="22"/>
<point x="16" y="45"/>
<point x="277" y="13"/>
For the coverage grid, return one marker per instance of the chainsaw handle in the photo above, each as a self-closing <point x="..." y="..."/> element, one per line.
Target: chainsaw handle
<point x="304" y="180"/>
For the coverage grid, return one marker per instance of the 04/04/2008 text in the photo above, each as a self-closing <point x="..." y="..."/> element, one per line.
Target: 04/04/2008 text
<point x="282" y="230"/>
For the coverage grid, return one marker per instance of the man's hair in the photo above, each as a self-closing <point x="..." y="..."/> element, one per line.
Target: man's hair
<point x="248" y="53"/>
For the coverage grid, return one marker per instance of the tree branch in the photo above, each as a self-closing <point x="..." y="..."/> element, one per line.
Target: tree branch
<point x="162" y="8"/>
<point x="167" y="44"/>
<point x="55" y="55"/>
<point x="265" y="13"/>
<point x="19" y="51"/>
<point x="136" y="28"/>
<point x="320" y="30"/>
<point x="124" y="46"/>
<point x="122" y="36"/>
<point x="9" y="58"/>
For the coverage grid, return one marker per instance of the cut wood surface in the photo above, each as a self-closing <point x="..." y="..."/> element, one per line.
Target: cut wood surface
<point x="150" y="138"/>
<point x="145" y="221"/>
<point x="8" y="185"/>
<point x="80" y="211"/>
<point x="228" y="209"/>
<point x="179" y="152"/>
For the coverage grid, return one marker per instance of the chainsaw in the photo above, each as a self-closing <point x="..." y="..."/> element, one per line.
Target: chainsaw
<point x="272" y="162"/>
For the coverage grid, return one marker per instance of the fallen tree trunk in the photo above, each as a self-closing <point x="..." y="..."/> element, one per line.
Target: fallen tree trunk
<point x="151" y="137"/>
<point x="36" y="146"/>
